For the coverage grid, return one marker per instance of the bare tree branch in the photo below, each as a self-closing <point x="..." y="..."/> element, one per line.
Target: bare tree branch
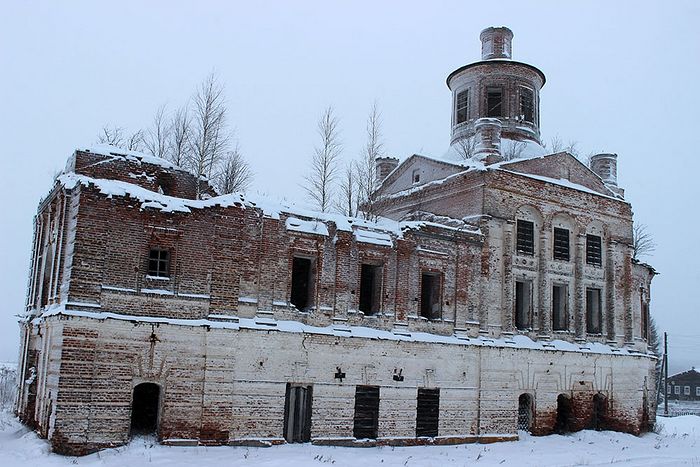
<point x="210" y="139"/>
<point x="324" y="163"/>
<point x="179" y="140"/>
<point x="643" y="243"/>
<point x="113" y="136"/>
<point x="157" y="137"/>
<point x="465" y="147"/>
<point x="235" y="174"/>
<point x="348" y="191"/>
<point x="367" y="166"/>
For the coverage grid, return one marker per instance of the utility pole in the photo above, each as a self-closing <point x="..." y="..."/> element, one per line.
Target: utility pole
<point x="665" y="374"/>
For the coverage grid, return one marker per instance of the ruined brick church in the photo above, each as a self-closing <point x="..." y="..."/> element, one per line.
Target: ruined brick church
<point x="496" y="293"/>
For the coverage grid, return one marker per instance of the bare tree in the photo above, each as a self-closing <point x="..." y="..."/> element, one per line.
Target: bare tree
<point x="235" y="174"/>
<point x="210" y="139"/>
<point x="179" y="148"/>
<point x="465" y="147"/>
<point x="113" y="136"/>
<point x="324" y="163"/>
<point x="643" y="243"/>
<point x="654" y="343"/>
<point x="512" y="149"/>
<point x="367" y="166"/>
<point x="158" y="136"/>
<point x="348" y="191"/>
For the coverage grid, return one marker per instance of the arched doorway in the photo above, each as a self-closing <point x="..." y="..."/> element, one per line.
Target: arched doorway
<point x="600" y="409"/>
<point x="525" y="412"/>
<point x="563" y="423"/>
<point x="144" y="408"/>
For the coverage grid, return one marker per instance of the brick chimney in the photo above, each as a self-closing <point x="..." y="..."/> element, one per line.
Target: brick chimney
<point x="384" y="166"/>
<point x="605" y="166"/>
<point x="496" y="43"/>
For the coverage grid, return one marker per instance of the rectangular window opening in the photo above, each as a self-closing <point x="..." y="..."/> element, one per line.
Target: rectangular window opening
<point x="302" y="283"/>
<point x="494" y="101"/>
<point x="527" y="105"/>
<point x="593" y="250"/>
<point x="686" y="390"/>
<point x="159" y="263"/>
<point x="370" y="288"/>
<point x="523" y="305"/>
<point x="677" y="390"/>
<point x="427" y="412"/>
<point x="430" y="295"/>
<point x="297" y="413"/>
<point x="594" y="317"/>
<point x="366" y="420"/>
<point x="561" y="244"/>
<point x="645" y="320"/>
<point x="462" y="111"/>
<point x="560" y="299"/>
<point x="525" y="237"/>
<point x="697" y="391"/>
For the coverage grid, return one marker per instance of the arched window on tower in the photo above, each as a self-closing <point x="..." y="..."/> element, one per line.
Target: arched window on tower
<point x="462" y="107"/>
<point x="527" y="105"/>
<point x="494" y="101"/>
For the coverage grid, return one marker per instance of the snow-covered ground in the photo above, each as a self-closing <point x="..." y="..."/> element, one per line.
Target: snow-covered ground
<point x="676" y="444"/>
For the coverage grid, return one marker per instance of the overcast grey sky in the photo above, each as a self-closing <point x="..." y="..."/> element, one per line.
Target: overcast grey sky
<point x="621" y="77"/>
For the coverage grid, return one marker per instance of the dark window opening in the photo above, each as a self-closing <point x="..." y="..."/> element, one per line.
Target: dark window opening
<point x="525" y="237"/>
<point x="560" y="299"/>
<point x="593" y="250"/>
<point x="527" y="105"/>
<point x="159" y="263"/>
<point x="370" y="288"/>
<point x="645" y="320"/>
<point x="416" y="176"/>
<point x="297" y="413"/>
<point x="462" y="106"/>
<point x="144" y="409"/>
<point x="48" y="271"/>
<point x="525" y="412"/>
<point x="563" y="423"/>
<point x="427" y="412"/>
<point x="494" y="101"/>
<point x="594" y="317"/>
<point x="430" y="295"/>
<point x="523" y="304"/>
<point x="561" y="244"/>
<point x="302" y="283"/>
<point x="366" y="421"/>
<point x="600" y="409"/>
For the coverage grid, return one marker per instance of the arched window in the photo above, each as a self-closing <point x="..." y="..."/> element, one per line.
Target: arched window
<point x="525" y="412"/>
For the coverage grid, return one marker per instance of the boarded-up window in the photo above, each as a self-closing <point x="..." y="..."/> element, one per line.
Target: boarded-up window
<point x="494" y="101"/>
<point x="593" y="250"/>
<point x="301" y="283"/>
<point x="158" y="262"/>
<point x="297" y="413"/>
<point x="430" y="295"/>
<point x="527" y="105"/>
<point x="370" y="288"/>
<point x="523" y="304"/>
<point x="561" y="244"/>
<point x="462" y="106"/>
<point x="560" y="299"/>
<point x="427" y="412"/>
<point x="525" y="237"/>
<point x="593" y="313"/>
<point x="366" y="422"/>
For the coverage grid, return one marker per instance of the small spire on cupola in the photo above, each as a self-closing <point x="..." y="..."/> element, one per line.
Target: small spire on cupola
<point x="496" y="43"/>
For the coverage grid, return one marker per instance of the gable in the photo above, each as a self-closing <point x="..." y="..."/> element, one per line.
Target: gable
<point x="427" y="170"/>
<point x="561" y="165"/>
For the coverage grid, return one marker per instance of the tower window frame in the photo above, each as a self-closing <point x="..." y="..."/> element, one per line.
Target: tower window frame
<point x="527" y="104"/>
<point x="462" y="106"/>
<point x="494" y="101"/>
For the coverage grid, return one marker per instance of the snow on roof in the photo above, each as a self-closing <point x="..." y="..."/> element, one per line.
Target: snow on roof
<point x="270" y="324"/>
<point x="137" y="157"/>
<point x="563" y="182"/>
<point x="165" y="203"/>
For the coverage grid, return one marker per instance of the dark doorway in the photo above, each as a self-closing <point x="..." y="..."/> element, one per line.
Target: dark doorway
<point x="297" y="413"/>
<point x="366" y="412"/>
<point x="563" y="423"/>
<point x="525" y="412"/>
<point x="144" y="409"/>
<point x="600" y="409"/>
<point x="301" y="283"/>
<point x="370" y="288"/>
<point x="427" y="412"/>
